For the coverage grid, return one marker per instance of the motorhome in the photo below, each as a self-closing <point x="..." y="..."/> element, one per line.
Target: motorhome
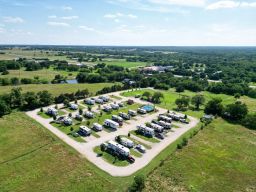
<point x="114" y="106"/>
<point x="89" y="114"/>
<point x="156" y="127"/>
<point x="165" y="124"/>
<point x="125" y="142"/>
<point x="97" y="127"/>
<point x="120" y="149"/>
<point x="85" y="131"/>
<point x="174" y="116"/>
<point x="124" y="116"/>
<point x="52" y="111"/>
<point x="132" y="113"/>
<point x="142" y="111"/>
<point x="107" y="108"/>
<point x="73" y="106"/>
<point x="89" y="101"/>
<point x="165" y="118"/>
<point x="99" y="101"/>
<point x="111" y="124"/>
<point x="117" y="118"/>
<point x="146" y="131"/>
<point x="104" y="98"/>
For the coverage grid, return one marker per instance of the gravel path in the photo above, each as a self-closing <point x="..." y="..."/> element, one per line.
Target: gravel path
<point x="86" y="149"/>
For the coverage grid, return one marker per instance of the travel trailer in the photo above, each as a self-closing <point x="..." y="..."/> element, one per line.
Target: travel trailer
<point x="97" y="127"/>
<point x="85" y="131"/>
<point x="111" y="124"/>
<point x="146" y="131"/>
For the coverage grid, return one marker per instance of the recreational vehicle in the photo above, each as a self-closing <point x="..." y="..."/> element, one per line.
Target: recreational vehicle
<point x="146" y="131"/>
<point x="73" y="106"/>
<point x="52" y="111"/>
<point x="104" y="98"/>
<point x="111" y="124"/>
<point x="132" y="113"/>
<point x="117" y="119"/>
<point x="165" y="118"/>
<point x="125" y="142"/>
<point x="89" y="101"/>
<point x="114" y="106"/>
<point x="117" y="148"/>
<point x="89" y="114"/>
<point x="142" y="111"/>
<point x="124" y="116"/>
<point x="85" y="131"/>
<point x="156" y="127"/>
<point x="107" y="108"/>
<point x="97" y="127"/>
<point x="99" y="101"/>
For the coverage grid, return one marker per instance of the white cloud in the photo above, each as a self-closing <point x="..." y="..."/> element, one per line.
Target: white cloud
<point x="190" y="3"/>
<point x="2" y="30"/>
<point x="67" y="8"/>
<point x="117" y="16"/>
<point x="13" y="20"/>
<point x="52" y="17"/>
<point x="70" y="17"/>
<point x="230" y="4"/>
<point x="58" y="24"/>
<point x="86" y="28"/>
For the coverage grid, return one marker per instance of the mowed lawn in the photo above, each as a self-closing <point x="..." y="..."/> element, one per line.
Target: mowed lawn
<point x="57" y="89"/>
<point x="220" y="158"/>
<point x="124" y="63"/>
<point x="45" y="74"/>
<point x="171" y="95"/>
<point x="32" y="159"/>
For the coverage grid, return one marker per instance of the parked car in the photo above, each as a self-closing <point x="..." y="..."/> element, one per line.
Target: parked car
<point x="159" y="135"/>
<point x="130" y="159"/>
<point x="140" y="148"/>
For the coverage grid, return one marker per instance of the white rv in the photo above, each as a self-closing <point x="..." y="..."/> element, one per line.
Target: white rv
<point x="118" y="148"/>
<point x="89" y="114"/>
<point x="111" y="124"/>
<point x="146" y="131"/>
<point x="107" y="108"/>
<point x="165" y="124"/>
<point x="104" y="98"/>
<point x="156" y="127"/>
<point x="114" y="106"/>
<point x="99" y="101"/>
<point x="117" y="118"/>
<point x="85" y="130"/>
<point x="97" y="127"/>
<point x="132" y="113"/>
<point x="67" y="121"/>
<point x="174" y="116"/>
<point x="142" y="111"/>
<point x="124" y="116"/>
<point x="165" y="118"/>
<point x="73" y="106"/>
<point x="52" y="111"/>
<point x="126" y="142"/>
<point x="89" y="101"/>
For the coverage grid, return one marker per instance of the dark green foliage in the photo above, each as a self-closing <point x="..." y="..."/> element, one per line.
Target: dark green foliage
<point x="250" y="121"/>
<point x="236" y="111"/>
<point x="138" y="184"/>
<point x="214" y="107"/>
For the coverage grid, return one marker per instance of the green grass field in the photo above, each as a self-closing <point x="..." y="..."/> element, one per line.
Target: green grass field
<point x="32" y="159"/>
<point x="124" y="63"/>
<point x="57" y="89"/>
<point x="220" y="158"/>
<point x="170" y="96"/>
<point x="45" y="74"/>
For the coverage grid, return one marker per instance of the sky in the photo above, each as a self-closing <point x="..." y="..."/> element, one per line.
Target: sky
<point x="129" y="22"/>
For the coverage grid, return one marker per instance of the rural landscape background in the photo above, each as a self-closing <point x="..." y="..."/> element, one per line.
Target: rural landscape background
<point x="195" y="57"/>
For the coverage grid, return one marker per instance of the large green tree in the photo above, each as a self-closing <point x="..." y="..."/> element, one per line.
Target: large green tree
<point x="214" y="107"/>
<point x="198" y="100"/>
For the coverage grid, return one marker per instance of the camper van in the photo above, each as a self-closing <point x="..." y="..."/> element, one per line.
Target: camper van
<point x="132" y="113"/>
<point x="111" y="124"/>
<point x="73" y="106"/>
<point x="124" y="116"/>
<point x="165" y="118"/>
<point x="83" y="130"/>
<point x="125" y="142"/>
<point x="52" y="111"/>
<point x="89" y="114"/>
<point x="114" y="106"/>
<point x="117" y="119"/>
<point x="97" y="127"/>
<point x="89" y="101"/>
<point x="117" y="148"/>
<point x="107" y="108"/>
<point x="156" y="127"/>
<point x="104" y="98"/>
<point x="99" y="101"/>
<point x="146" y="131"/>
<point x="142" y="111"/>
